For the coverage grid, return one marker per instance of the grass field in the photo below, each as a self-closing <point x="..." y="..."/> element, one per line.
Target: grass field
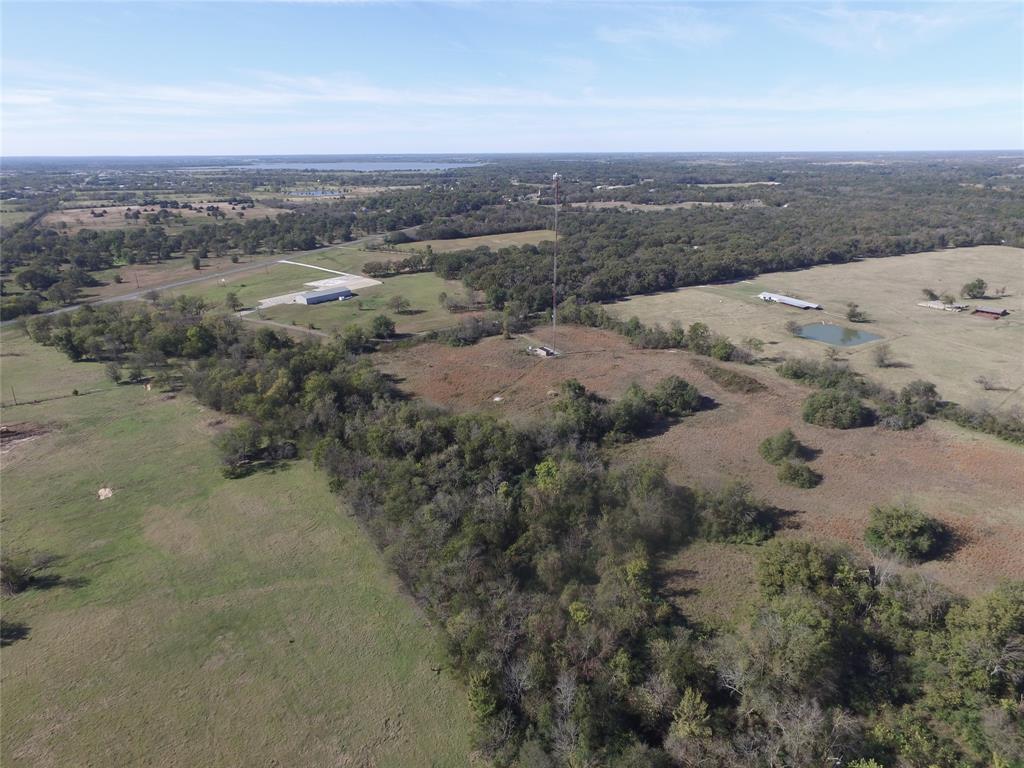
<point x="494" y="242"/>
<point x="81" y="218"/>
<point x="420" y="289"/>
<point x="198" y="620"/>
<point x="949" y="349"/>
<point x="11" y="216"/>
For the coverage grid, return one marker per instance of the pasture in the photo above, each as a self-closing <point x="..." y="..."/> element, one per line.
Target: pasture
<point x="272" y="279"/>
<point x="82" y="218"/>
<point x="11" y="215"/>
<point x="950" y="349"/>
<point x="494" y="242"/>
<point x="193" y="620"/>
<point x="973" y="482"/>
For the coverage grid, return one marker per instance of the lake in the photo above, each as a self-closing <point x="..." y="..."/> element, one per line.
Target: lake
<point x="356" y="165"/>
<point x="836" y="335"/>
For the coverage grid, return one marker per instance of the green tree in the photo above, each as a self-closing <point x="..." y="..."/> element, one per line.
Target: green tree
<point x="780" y="447"/>
<point x="232" y="302"/>
<point x="399" y="304"/>
<point x="62" y="292"/>
<point x="196" y="263"/>
<point x="836" y="409"/>
<point x="798" y="474"/>
<point x="691" y="719"/>
<point x="903" y="532"/>
<point x="733" y="515"/>
<point x="382" y="327"/>
<point x="974" y="289"/>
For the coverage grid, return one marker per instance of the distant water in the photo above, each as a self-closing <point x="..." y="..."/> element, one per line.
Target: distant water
<point x="355" y="165"/>
<point x="836" y="335"/>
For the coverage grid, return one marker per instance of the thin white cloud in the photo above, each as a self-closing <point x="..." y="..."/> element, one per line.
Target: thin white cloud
<point x="683" y="27"/>
<point x="268" y="93"/>
<point x="860" y="27"/>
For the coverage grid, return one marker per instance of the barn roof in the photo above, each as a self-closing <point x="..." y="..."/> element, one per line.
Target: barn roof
<point x="326" y="293"/>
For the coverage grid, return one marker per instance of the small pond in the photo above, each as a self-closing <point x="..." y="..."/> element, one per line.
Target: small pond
<point x="835" y="335"/>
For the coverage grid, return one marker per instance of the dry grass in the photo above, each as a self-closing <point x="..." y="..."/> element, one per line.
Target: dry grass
<point x="81" y="218"/>
<point x="531" y="237"/>
<point x="972" y="482"/>
<point x="947" y="348"/>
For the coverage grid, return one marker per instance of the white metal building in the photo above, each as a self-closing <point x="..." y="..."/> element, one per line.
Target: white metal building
<point x="778" y="298"/>
<point x="329" y="294"/>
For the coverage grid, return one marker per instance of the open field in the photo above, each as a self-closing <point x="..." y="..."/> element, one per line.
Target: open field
<point x="136" y="277"/>
<point x="11" y="216"/>
<point x="422" y="290"/>
<point x="947" y="348"/>
<point x="344" y="258"/>
<point x="974" y="483"/>
<point x="81" y="218"/>
<point x="494" y="242"/>
<point x="198" y="620"/>
<point x="274" y="279"/>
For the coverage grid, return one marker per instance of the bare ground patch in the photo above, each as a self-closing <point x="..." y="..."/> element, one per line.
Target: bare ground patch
<point x="14" y="435"/>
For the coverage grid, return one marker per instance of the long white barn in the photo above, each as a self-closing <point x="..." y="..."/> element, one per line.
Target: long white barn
<point x="778" y="298"/>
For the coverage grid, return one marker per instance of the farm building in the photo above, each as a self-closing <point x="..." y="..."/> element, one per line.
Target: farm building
<point x="992" y="313"/>
<point x="327" y="294"/>
<point x="778" y="298"/>
<point x="542" y="351"/>
<point x="940" y="305"/>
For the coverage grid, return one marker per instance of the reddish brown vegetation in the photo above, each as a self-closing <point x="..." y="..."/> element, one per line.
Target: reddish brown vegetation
<point x="973" y="484"/>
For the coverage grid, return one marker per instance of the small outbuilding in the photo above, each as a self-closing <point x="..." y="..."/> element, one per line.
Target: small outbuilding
<point x="940" y="305"/>
<point x="778" y="298"/>
<point x="991" y="313"/>
<point x="324" y="295"/>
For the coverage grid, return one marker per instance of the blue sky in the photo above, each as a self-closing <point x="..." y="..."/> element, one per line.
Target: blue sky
<point x="374" y="77"/>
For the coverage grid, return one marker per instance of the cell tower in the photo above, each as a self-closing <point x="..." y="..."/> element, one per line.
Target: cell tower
<point x="556" y="181"/>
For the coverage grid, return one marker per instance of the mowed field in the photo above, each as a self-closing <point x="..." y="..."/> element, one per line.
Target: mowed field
<point x="81" y="218"/>
<point x="196" y="620"/>
<point x="273" y="279"/>
<point x="950" y="349"/>
<point x="494" y="242"/>
<point x="973" y="482"/>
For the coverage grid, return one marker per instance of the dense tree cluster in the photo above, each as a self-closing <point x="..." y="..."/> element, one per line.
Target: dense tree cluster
<point x="540" y="564"/>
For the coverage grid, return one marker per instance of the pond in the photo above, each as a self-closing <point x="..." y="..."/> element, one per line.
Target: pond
<point x="836" y="335"/>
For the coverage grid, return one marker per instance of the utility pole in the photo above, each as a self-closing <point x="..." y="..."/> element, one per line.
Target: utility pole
<point x="556" y="180"/>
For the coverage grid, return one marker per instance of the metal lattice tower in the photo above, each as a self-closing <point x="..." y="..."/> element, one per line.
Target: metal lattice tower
<point x="556" y="181"/>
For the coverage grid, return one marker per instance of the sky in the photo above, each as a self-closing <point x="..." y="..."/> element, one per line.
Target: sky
<point x="240" y="78"/>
